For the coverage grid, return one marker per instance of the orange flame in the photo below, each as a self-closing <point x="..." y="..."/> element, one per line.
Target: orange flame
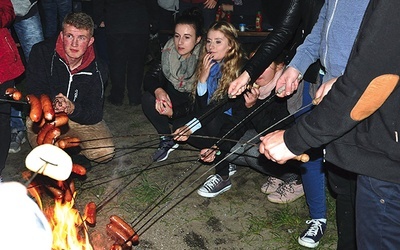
<point x="69" y="229"/>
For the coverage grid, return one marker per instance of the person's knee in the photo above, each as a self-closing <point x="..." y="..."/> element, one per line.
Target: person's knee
<point x="102" y="155"/>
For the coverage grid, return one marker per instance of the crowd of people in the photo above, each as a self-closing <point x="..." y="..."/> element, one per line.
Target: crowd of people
<point x="205" y="87"/>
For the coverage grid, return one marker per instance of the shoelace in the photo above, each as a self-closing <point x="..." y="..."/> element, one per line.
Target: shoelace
<point x="212" y="183"/>
<point x="284" y="188"/>
<point x="269" y="182"/>
<point x="314" y="228"/>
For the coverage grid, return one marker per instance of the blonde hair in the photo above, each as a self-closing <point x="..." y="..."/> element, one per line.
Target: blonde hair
<point x="232" y="63"/>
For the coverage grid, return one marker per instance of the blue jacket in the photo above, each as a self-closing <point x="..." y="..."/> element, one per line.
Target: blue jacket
<point x="332" y="37"/>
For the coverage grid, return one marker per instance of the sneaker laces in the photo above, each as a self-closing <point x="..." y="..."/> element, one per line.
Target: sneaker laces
<point x="285" y="188"/>
<point x="211" y="183"/>
<point x="166" y="143"/>
<point x="315" y="226"/>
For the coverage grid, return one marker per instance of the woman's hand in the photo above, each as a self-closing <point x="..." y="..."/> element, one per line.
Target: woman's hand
<point x="163" y="103"/>
<point x="182" y="133"/>
<point x="210" y="4"/>
<point x="208" y="154"/>
<point x="207" y="64"/>
<point x="251" y="97"/>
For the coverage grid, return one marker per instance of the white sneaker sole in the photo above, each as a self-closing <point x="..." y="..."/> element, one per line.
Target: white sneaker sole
<point x="307" y="244"/>
<point x="168" y="152"/>
<point x="212" y="195"/>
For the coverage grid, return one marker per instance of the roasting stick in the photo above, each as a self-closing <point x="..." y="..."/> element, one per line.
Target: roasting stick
<point x="138" y="219"/>
<point x="12" y="101"/>
<point x="303" y="158"/>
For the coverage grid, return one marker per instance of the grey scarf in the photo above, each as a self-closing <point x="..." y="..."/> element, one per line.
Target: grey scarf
<point x="179" y="71"/>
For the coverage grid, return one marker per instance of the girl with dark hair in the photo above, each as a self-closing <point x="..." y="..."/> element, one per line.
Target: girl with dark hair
<point x="169" y="82"/>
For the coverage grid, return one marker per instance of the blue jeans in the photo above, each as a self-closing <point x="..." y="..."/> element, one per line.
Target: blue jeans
<point x="313" y="174"/>
<point x="29" y="32"/>
<point x="377" y="214"/>
<point x="16" y="119"/>
<point x="54" y="12"/>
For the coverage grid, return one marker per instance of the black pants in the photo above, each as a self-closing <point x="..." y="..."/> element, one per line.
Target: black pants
<point x="127" y="53"/>
<point x="218" y="127"/>
<point x="343" y="184"/>
<point x="161" y="122"/>
<point x="5" y="134"/>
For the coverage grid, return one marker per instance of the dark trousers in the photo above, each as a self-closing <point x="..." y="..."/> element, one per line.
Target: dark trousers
<point x="5" y="134"/>
<point x="378" y="214"/>
<point x="343" y="184"/>
<point x="161" y="122"/>
<point x="127" y="54"/>
<point x="218" y="127"/>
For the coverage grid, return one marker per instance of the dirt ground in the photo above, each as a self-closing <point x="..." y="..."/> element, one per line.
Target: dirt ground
<point x="160" y="201"/>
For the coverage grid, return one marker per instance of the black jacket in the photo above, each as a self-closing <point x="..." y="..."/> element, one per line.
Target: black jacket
<point x="126" y="16"/>
<point x="48" y="74"/>
<point x="371" y="146"/>
<point x="295" y="19"/>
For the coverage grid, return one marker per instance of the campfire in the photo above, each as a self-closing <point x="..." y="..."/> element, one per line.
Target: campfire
<point x="69" y="225"/>
<point x="69" y="228"/>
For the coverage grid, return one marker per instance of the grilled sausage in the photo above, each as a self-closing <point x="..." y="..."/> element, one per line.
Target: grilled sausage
<point x="90" y="213"/>
<point x="36" y="108"/>
<point x="67" y="142"/>
<point x="43" y="132"/>
<point x="78" y="169"/>
<point x="52" y="135"/>
<point x="47" y="106"/>
<point x="60" y="119"/>
<point x="114" y="219"/>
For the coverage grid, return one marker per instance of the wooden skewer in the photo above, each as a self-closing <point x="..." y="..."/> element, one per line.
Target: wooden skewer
<point x="302" y="158"/>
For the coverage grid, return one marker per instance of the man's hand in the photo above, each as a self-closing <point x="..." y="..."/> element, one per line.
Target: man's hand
<point x="290" y="79"/>
<point x="182" y="133"/>
<point x="324" y="89"/>
<point x="62" y="104"/>
<point x="274" y="148"/>
<point x="238" y="86"/>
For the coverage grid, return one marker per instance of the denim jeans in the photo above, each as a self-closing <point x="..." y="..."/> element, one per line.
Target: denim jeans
<point x="16" y="119"/>
<point x="29" y="32"/>
<point x="377" y="214"/>
<point x="54" y="12"/>
<point x="313" y="174"/>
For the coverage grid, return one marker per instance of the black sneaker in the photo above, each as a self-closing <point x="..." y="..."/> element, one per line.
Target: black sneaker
<point x="167" y="145"/>
<point x="214" y="186"/>
<point x="310" y="238"/>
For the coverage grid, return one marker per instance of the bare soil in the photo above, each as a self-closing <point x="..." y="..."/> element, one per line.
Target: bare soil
<point x="160" y="202"/>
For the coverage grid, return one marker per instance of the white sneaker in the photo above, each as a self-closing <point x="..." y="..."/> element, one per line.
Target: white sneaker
<point x="312" y="235"/>
<point x="232" y="169"/>
<point x="214" y="186"/>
